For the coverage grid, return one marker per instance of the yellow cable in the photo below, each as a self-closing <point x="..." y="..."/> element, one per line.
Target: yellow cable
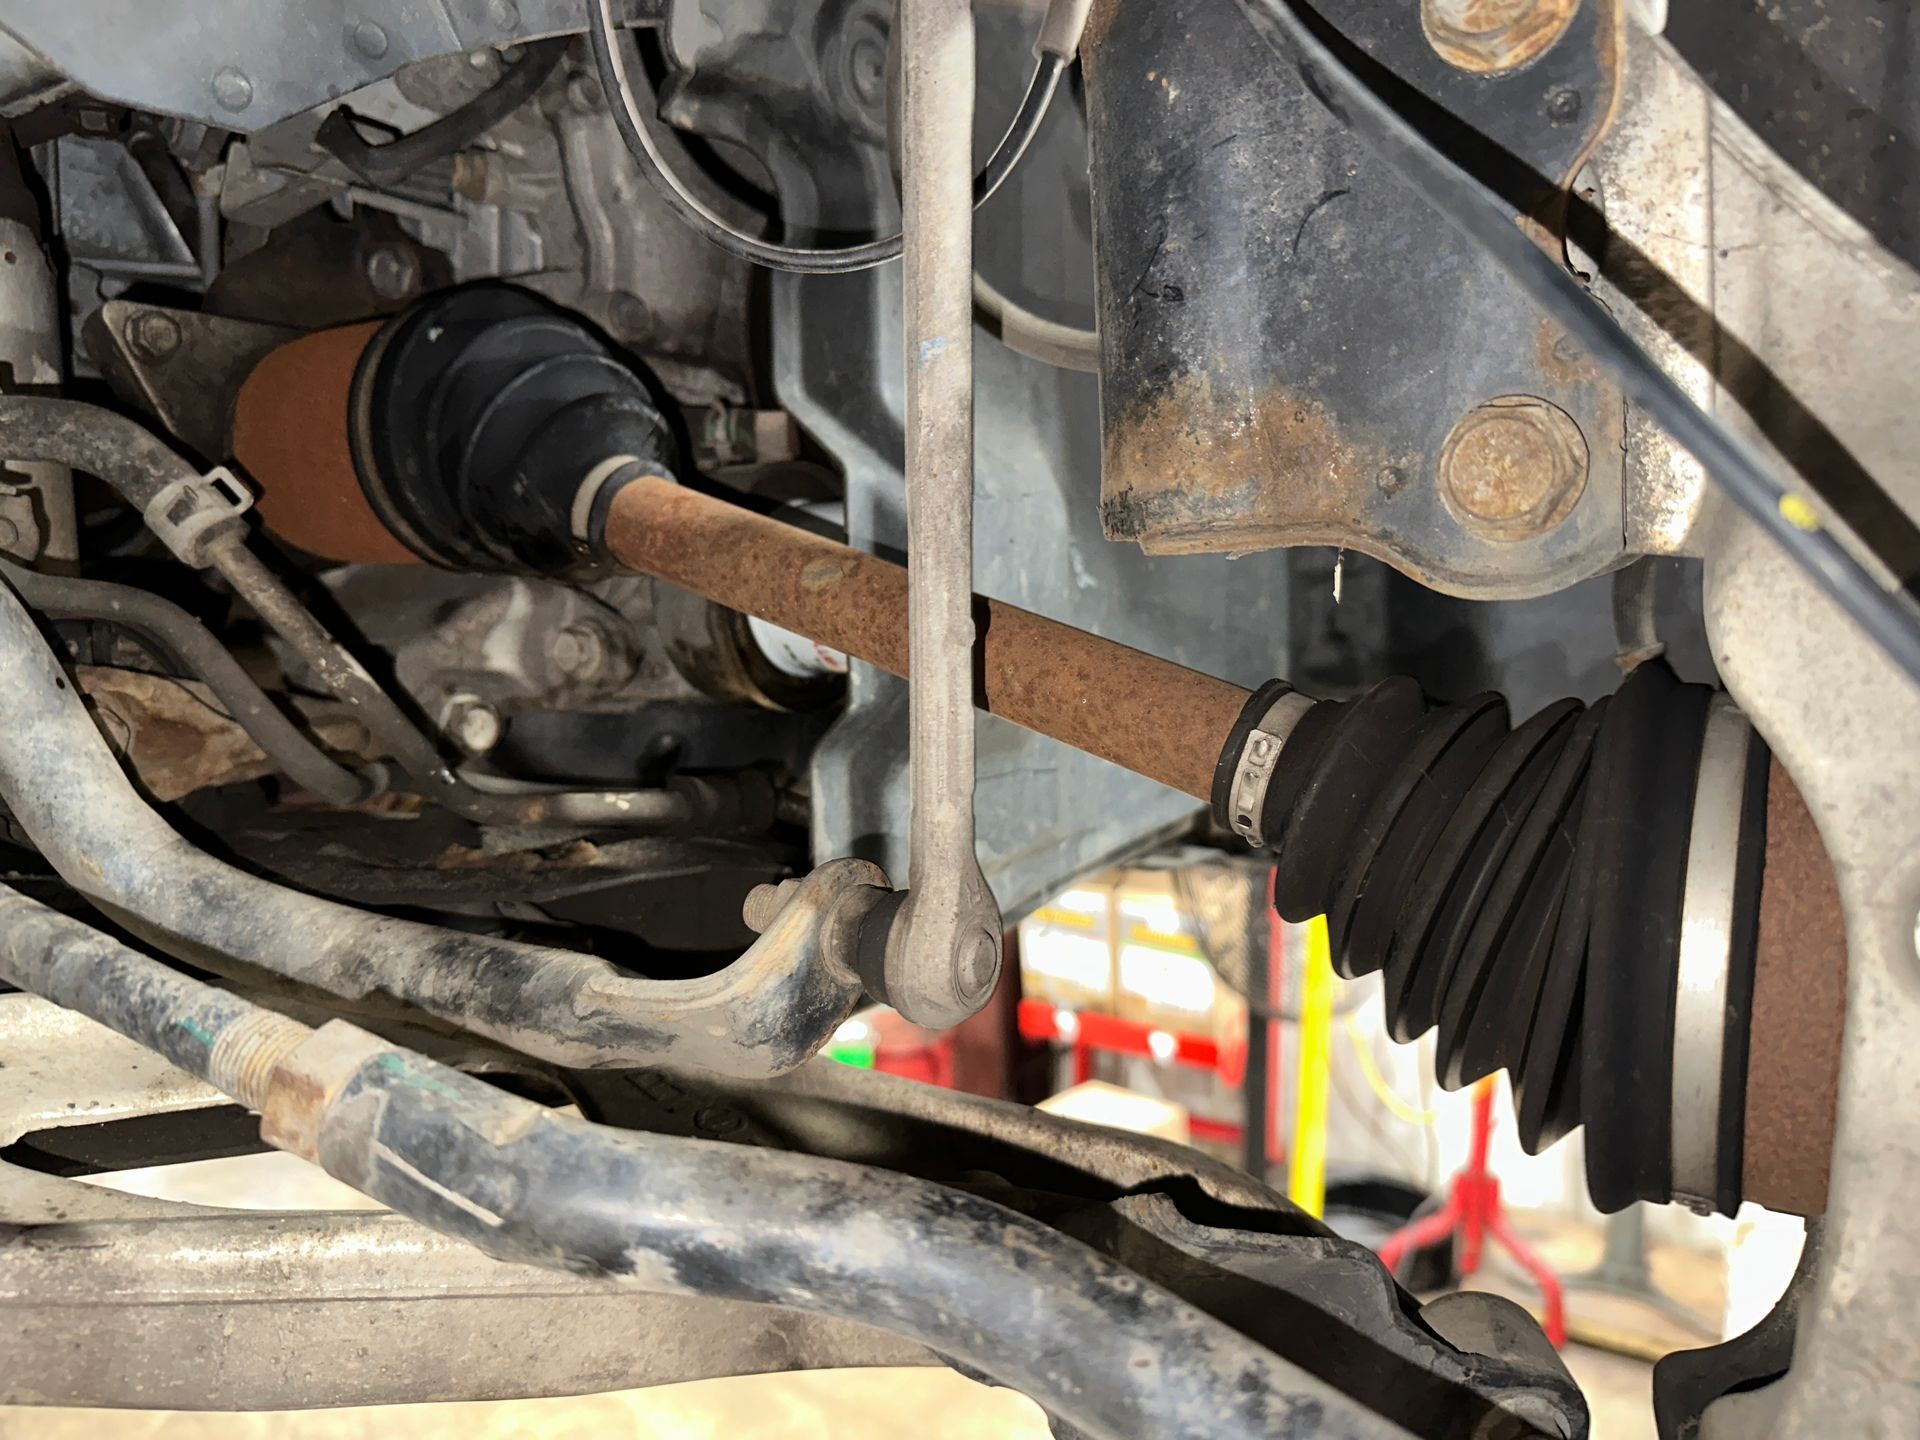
<point x="1307" y="1175"/>
<point x="1377" y="1082"/>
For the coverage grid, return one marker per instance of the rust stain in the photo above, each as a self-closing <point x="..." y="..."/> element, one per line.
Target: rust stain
<point x="1148" y="715"/>
<point x="1514" y="467"/>
<point x="176" y="740"/>
<point x="291" y="434"/>
<point x="1094" y="33"/>
<point x="1201" y="467"/>
<point x="1489" y="37"/>
<point x="574" y="855"/>
<point x="1799" y="1011"/>
<point x="1561" y="358"/>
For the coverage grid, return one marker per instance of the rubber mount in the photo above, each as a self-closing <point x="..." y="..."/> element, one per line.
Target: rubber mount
<point x="1520" y="890"/>
<point x="478" y="412"/>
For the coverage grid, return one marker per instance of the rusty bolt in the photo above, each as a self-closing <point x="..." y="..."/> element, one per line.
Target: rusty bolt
<point x="1489" y="37"/>
<point x="580" y="651"/>
<point x="1513" y="467"/>
<point x="475" y="725"/>
<point x="764" y="904"/>
<point x="153" y="335"/>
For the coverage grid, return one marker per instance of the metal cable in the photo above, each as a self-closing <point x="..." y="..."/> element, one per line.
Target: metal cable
<point x="628" y="120"/>
<point x="1891" y="617"/>
<point x="1067" y="347"/>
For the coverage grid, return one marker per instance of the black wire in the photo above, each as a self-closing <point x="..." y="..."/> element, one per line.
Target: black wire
<point x="1890" y="617"/>
<point x="800" y="260"/>
<point x="394" y="161"/>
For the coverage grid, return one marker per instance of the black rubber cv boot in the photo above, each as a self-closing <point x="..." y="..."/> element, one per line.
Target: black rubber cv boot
<point x="477" y="416"/>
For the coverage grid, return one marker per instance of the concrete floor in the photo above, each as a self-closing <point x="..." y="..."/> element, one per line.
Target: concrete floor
<point x="837" y="1405"/>
<point x="830" y="1405"/>
<point x="826" y="1405"/>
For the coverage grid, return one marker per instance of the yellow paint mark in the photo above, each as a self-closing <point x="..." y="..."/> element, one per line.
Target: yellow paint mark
<point x="1307" y="1175"/>
<point x="1798" y="513"/>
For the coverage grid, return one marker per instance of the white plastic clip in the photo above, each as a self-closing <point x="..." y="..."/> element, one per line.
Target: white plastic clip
<point x="185" y="512"/>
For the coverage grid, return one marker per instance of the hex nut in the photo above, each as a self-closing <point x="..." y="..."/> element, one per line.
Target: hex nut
<point x="475" y="726"/>
<point x="153" y="335"/>
<point x="1489" y="37"/>
<point x="1514" y="467"/>
<point x="580" y="651"/>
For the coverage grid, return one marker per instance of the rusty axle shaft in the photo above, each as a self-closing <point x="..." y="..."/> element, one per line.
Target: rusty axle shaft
<point x="1144" y="714"/>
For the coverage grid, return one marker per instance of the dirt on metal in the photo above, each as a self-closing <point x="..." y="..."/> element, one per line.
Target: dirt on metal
<point x="179" y="738"/>
<point x="1204" y="467"/>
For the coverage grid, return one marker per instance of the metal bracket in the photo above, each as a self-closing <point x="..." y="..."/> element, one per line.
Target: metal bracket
<point x="942" y="955"/>
<point x="187" y="513"/>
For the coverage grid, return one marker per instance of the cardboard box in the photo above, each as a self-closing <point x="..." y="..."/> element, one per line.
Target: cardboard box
<point x="1098" y="1103"/>
<point x="1162" y="976"/>
<point x="1066" y="948"/>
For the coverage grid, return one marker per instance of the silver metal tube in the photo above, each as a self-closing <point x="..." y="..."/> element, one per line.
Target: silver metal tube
<point x="141" y="466"/>
<point x="764" y="1014"/>
<point x="943" y="951"/>
<point x="968" y="1278"/>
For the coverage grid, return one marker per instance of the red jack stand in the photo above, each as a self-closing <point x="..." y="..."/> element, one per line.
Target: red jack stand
<point x="1473" y="1212"/>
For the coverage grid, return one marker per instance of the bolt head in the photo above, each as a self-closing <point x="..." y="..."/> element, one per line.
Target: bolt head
<point x="1514" y="467"/>
<point x="392" y="272"/>
<point x="1491" y="37"/>
<point x="154" y="335"/>
<point x="977" y="966"/>
<point x="232" y="90"/>
<point x="628" y="314"/>
<point x="9" y="533"/>
<point x="580" y="652"/>
<point x="369" y="39"/>
<point x="475" y="726"/>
